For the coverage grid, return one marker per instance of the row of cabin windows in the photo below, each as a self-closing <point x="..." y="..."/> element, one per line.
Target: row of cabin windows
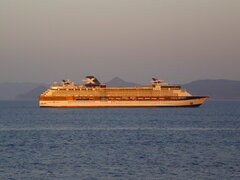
<point x="172" y="87"/>
<point x="75" y="89"/>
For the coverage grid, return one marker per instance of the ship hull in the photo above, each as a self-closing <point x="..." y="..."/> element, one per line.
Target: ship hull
<point x="192" y="102"/>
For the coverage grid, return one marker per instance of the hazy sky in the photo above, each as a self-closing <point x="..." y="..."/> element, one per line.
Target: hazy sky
<point x="175" y="40"/>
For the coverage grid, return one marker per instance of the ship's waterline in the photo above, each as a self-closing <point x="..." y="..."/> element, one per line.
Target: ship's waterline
<point x="94" y="94"/>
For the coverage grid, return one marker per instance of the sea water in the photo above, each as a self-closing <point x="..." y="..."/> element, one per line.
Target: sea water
<point x="120" y="143"/>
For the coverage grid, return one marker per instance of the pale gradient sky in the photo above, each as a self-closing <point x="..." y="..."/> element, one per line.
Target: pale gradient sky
<point x="175" y="40"/>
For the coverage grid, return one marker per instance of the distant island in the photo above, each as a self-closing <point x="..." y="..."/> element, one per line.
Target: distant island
<point x="216" y="89"/>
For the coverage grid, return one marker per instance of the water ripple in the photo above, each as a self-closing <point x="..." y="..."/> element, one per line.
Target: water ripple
<point x="117" y="128"/>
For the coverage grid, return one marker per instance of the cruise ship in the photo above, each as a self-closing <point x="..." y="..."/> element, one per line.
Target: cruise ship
<point x="94" y="94"/>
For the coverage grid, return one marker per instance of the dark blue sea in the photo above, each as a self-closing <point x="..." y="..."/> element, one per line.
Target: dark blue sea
<point x="120" y="143"/>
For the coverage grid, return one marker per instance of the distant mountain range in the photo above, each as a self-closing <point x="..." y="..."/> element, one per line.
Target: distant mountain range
<point x="9" y="91"/>
<point x="32" y="94"/>
<point x="216" y="89"/>
<point x="117" y="82"/>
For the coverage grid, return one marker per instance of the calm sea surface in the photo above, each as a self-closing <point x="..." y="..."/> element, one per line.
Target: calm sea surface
<point x="140" y="143"/>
